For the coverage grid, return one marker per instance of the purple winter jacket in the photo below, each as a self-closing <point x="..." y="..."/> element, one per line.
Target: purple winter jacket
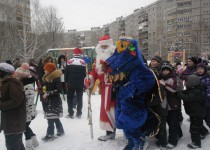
<point x="188" y="71"/>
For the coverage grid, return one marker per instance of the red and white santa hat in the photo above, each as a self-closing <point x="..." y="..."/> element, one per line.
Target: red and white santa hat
<point x="77" y="52"/>
<point x="105" y="40"/>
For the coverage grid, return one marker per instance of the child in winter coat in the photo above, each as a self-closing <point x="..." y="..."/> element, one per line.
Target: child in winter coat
<point x="205" y="82"/>
<point x="194" y="107"/>
<point x="168" y="79"/>
<point x="52" y="103"/>
<point x="23" y="74"/>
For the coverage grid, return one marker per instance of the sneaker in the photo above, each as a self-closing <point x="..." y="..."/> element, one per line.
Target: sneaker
<point x="170" y="146"/>
<point x="48" y="138"/>
<point x="193" y="146"/>
<point x="107" y="137"/>
<point x="70" y="116"/>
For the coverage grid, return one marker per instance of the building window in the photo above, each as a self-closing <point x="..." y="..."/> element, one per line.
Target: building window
<point x="182" y="4"/>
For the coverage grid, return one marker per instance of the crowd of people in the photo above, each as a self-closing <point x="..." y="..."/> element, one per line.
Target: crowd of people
<point x="169" y="85"/>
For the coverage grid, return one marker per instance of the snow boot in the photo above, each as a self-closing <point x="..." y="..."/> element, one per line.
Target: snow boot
<point x="35" y="143"/>
<point x="109" y="136"/>
<point x="29" y="145"/>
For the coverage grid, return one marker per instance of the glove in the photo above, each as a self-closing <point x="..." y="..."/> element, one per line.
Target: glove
<point x="87" y="82"/>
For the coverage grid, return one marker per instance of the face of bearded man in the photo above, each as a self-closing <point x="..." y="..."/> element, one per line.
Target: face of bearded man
<point x="103" y="52"/>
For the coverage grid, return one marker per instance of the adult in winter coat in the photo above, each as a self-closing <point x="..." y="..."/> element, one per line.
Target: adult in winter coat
<point x="62" y="65"/>
<point x="168" y="80"/>
<point x="13" y="108"/>
<point x="74" y="78"/>
<point x="158" y="101"/>
<point x="194" y="107"/>
<point x="104" y="50"/>
<point x="23" y="74"/>
<point x="190" y="69"/>
<point x="52" y="103"/>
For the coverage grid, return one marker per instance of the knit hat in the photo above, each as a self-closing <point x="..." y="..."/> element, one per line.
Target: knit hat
<point x="202" y="66"/>
<point x="194" y="59"/>
<point x="50" y="67"/>
<point x="105" y="40"/>
<point x="166" y="66"/>
<point x="7" y="68"/>
<point x="158" y="59"/>
<point x="77" y="52"/>
<point x="192" y="81"/>
<point x="23" y="71"/>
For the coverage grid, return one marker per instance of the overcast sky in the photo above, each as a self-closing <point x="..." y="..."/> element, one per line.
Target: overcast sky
<point x="84" y="14"/>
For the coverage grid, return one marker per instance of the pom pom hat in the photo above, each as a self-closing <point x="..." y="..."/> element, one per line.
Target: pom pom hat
<point x="7" y="68"/>
<point x="105" y="40"/>
<point x="50" y="67"/>
<point x="23" y="71"/>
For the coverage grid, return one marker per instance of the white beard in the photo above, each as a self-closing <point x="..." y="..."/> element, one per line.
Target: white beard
<point x="102" y="55"/>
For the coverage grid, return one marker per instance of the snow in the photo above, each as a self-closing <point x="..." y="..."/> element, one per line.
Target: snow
<point x="77" y="132"/>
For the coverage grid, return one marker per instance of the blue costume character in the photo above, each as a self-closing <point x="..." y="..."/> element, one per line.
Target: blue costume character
<point x="132" y="81"/>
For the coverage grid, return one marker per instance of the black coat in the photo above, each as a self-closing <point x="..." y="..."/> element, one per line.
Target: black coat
<point x="193" y="102"/>
<point x="52" y="105"/>
<point x="75" y="75"/>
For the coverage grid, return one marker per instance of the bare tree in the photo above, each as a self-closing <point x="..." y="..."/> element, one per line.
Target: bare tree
<point x="48" y="26"/>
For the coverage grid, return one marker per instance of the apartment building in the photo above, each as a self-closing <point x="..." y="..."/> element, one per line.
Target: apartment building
<point x="165" y="26"/>
<point x="14" y="17"/>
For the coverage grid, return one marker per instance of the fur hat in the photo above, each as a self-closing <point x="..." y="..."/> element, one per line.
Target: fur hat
<point x="105" y="40"/>
<point x="166" y="66"/>
<point x="7" y="68"/>
<point x="50" y="67"/>
<point x="194" y="59"/>
<point x="158" y="59"/>
<point x="192" y="81"/>
<point x="23" y="71"/>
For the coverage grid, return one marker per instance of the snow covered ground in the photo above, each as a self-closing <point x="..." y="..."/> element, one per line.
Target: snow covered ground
<point x="77" y="132"/>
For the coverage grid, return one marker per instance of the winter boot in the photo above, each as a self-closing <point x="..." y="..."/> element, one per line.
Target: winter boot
<point x="60" y="133"/>
<point x="48" y="138"/>
<point x="193" y="146"/>
<point x="35" y="143"/>
<point x="109" y="136"/>
<point x="29" y="145"/>
<point x="130" y="145"/>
